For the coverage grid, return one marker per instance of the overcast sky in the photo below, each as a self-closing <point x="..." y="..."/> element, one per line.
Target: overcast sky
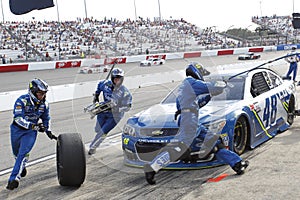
<point x="220" y="13"/>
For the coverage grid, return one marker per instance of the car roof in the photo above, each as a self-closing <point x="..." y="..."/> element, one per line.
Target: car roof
<point x="225" y="74"/>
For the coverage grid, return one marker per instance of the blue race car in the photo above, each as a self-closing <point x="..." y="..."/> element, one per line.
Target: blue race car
<point x="254" y="107"/>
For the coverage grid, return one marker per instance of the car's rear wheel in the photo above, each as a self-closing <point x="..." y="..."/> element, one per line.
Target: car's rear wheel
<point x="149" y="64"/>
<point x="240" y="135"/>
<point x="90" y="71"/>
<point x="291" y="111"/>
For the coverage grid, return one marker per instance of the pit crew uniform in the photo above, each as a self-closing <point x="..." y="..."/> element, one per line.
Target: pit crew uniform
<point x="193" y="94"/>
<point x="120" y="101"/>
<point x="293" y="63"/>
<point x="27" y="112"/>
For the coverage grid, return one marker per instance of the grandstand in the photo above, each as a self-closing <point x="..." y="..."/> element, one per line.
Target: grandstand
<point x="90" y="38"/>
<point x="275" y="30"/>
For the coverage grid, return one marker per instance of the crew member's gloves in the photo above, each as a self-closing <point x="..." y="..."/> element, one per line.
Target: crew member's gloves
<point x="113" y="103"/>
<point x="221" y="84"/>
<point x="50" y="135"/>
<point x="38" y="127"/>
<point x="216" y="88"/>
<point x="124" y="108"/>
<point x="204" y="100"/>
<point x="96" y="98"/>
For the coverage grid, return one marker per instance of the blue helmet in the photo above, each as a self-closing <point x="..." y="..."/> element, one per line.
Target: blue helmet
<point x="194" y="70"/>
<point x="117" y="73"/>
<point x="37" y="85"/>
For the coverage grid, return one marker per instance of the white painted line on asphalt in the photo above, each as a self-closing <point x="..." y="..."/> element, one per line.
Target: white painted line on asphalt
<point x="30" y="163"/>
<point x="108" y="142"/>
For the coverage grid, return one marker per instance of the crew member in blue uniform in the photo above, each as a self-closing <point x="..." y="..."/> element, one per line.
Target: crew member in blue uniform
<point x="292" y="58"/>
<point x="193" y="94"/>
<point x="28" y="110"/>
<point x="120" y="99"/>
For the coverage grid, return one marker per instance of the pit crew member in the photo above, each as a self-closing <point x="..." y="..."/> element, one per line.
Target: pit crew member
<point x="193" y="94"/>
<point x="28" y="110"/>
<point x="293" y="63"/>
<point x="120" y="100"/>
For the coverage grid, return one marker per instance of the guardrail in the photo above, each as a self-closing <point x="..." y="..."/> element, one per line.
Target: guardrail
<point x="31" y="66"/>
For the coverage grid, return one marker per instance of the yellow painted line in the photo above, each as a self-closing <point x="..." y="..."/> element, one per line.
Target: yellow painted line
<point x="261" y="124"/>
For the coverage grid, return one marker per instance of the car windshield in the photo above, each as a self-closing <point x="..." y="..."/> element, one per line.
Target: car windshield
<point x="233" y="91"/>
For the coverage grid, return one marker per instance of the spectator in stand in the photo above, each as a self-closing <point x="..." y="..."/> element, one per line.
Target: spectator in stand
<point x="3" y="59"/>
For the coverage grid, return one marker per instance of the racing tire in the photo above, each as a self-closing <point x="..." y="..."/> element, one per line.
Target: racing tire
<point x="240" y="135"/>
<point x="90" y="72"/>
<point x="291" y="111"/>
<point x="149" y="65"/>
<point x="70" y="160"/>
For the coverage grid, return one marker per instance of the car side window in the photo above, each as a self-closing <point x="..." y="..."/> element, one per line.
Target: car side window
<point x="259" y="84"/>
<point x="275" y="79"/>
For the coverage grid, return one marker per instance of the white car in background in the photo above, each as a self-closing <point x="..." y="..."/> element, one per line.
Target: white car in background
<point x="249" y="56"/>
<point x="94" y="68"/>
<point x="152" y="61"/>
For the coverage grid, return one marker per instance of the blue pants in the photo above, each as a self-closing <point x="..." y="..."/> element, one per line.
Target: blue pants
<point x="22" y="142"/>
<point x="106" y="121"/>
<point x="229" y="157"/>
<point x="188" y="123"/>
<point x="164" y="158"/>
<point x="292" y="69"/>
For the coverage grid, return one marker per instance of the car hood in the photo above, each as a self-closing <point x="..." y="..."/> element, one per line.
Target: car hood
<point x="215" y="110"/>
<point x="159" y="115"/>
<point x="162" y="115"/>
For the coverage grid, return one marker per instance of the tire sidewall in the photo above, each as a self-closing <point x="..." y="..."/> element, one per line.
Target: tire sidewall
<point x="70" y="160"/>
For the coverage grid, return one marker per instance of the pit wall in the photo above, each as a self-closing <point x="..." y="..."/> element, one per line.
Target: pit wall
<point x="13" y="67"/>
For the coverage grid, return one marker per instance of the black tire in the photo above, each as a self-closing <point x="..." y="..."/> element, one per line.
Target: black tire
<point x="291" y="111"/>
<point x="240" y="135"/>
<point x="149" y="64"/>
<point x="90" y="72"/>
<point x="70" y="160"/>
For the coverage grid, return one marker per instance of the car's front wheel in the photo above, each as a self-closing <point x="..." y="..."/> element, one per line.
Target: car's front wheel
<point x="240" y="135"/>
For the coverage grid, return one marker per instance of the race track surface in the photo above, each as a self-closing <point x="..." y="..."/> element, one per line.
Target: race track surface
<point x="272" y="174"/>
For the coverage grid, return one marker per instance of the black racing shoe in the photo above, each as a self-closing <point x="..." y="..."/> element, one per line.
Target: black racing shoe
<point x="24" y="172"/>
<point x="12" y="184"/>
<point x="149" y="174"/>
<point x="240" y="167"/>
